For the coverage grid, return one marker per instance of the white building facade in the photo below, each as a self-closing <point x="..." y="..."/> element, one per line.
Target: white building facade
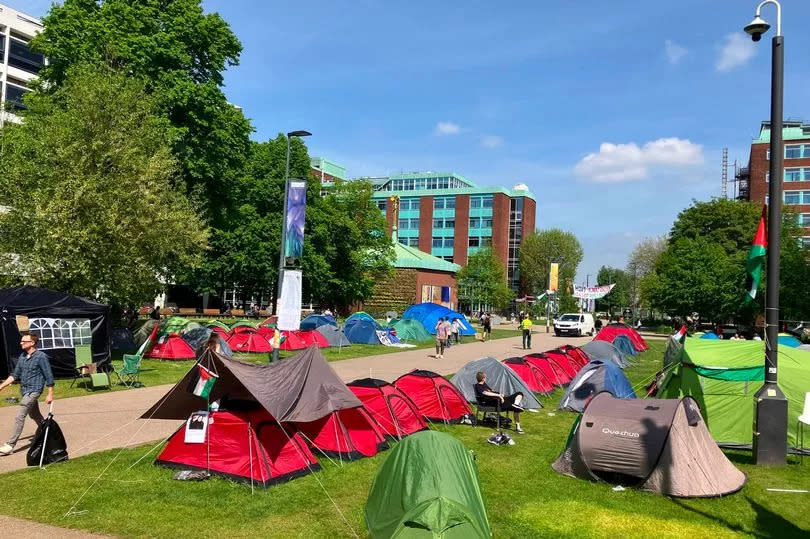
<point x="18" y="63"/>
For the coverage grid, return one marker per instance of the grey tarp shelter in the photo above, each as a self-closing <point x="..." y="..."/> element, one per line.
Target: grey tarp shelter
<point x="660" y="445"/>
<point x="499" y="377"/>
<point x="34" y="302"/>
<point x="301" y="388"/>
<point x="198" y="337"/>
<point x="605" y="351"/>
<point x="593" y="378"/>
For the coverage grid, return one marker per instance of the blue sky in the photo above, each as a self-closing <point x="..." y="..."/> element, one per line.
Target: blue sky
<point x="613" y="113"/>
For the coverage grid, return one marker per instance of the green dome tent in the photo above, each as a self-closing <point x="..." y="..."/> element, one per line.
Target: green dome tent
<point x="723" y="376"/>
<point x="428" y="487"/>
<point x="410" y="330"/>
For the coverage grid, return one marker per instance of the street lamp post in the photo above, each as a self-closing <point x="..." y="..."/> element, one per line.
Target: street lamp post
<point x="770" y="422"/>
<point x="281" y="258"/>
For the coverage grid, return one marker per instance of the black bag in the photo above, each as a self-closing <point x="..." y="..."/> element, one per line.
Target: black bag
<point x="50" y="436"/>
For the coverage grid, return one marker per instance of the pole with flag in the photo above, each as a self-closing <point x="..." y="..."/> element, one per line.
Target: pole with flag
<point x="756" y="256"/>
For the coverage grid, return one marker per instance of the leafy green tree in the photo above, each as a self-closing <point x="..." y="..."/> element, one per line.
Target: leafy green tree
<point x="346" y="249"/>
<point x="539" y="249"/>
<point x="729" y="224"/>
<point x="87" y="179"/>
<point x="619" y="297"/>
<point x="641" y="265"/>
<point x="180" y="53"/>
<point x="794" y="272"/>
<point x="483" y="280"/>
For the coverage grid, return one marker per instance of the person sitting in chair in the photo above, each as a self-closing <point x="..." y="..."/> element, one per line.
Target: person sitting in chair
<point x="487" y="396"/>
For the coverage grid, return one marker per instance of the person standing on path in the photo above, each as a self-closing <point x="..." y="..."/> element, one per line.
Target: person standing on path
<point x="487" y="323"/>
<point x="33" y="370"/>
<point x="441" y="337"/>
<point x="526" y="326"/>
<point x="456" y="329"/>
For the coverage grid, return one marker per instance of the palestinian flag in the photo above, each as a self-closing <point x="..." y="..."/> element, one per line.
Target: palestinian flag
<point x="756" y="257"/>
<point x="205" y="382"/>
<point x="680" y="334"/>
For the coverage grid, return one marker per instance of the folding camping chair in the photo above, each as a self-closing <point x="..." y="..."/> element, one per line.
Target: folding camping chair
<point x="485" y="408"/>
<point x="84" y="360"/>
<point x="130" y="373"/>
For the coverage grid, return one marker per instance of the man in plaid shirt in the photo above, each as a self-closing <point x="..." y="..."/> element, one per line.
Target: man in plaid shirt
<point x="33" y="370"/>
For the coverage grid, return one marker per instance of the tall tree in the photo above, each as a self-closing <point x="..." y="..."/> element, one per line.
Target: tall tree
<point x="483" y="280"/>
<point x="87" y="178"/>
<point x="539" y="249"/>
<point x="641" y="265"/>
<point x="619" y="297"/>
<point x="180" y="52"/>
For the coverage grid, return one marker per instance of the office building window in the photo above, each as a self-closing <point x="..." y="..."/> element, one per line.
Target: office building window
<point x="409" y="204"/>
<point x="475" y="222"/>
<point x="408" y="224"/>
<point x="480" y="201"/>
<point x="444" y="203"/>
<point x="381" y="205"/>
<point x="444" y="222"/>
<point x="410" y="242"/>
<point x="21" y="57"/>
<point x="797" y="197"/>
<point x="803" y="219"/>
<point x="14" y="96"/>
<point x="448" y="258"/>
<point x="442" y="242"/>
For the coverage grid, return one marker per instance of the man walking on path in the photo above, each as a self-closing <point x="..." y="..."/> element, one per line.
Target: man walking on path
<point x="486" y="321"/>
<point x="526" y="326"/>
<point x="33" y="370"/>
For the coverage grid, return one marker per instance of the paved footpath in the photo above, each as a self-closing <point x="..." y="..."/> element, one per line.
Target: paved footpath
<point x="110" y="420"/>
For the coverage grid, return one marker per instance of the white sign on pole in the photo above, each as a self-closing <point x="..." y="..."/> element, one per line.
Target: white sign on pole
<point x="289" y="305"/>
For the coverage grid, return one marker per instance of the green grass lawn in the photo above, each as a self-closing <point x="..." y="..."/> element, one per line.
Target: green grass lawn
<point x="524" y="497"/>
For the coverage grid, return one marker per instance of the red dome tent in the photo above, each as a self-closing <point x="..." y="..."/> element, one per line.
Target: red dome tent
<point x="610" y="331"/>
<point x="291" y="340"/>
<point x="550" y="368"/>
<point x="298" y="339"/>
<point x="578" y="355"/>
<point x="250" y="342"/>
<point x="345" y="434"/>
<point x="266" y="405"/>
<point x="564" y="361"/>
<point x="393" y="411"/>
<point x="436" y="398"/>
<point x="172" y="347"/>
<point x="535" y="379"/>
<point x="221" y="332"/>
<point x="248" y="447"/>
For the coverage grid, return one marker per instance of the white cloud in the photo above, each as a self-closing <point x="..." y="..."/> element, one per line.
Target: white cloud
<point x="674" y="51"/>
<point x="615" y="163"/>
<point x="447" y="128"/>
<point x="736" y="51"/>
<point x="491" y="141"/>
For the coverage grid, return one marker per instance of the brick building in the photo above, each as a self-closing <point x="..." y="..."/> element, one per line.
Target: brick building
<point x="448" y="216"/>
<point x="753" y="180"/>
<point x="417" y="278"/>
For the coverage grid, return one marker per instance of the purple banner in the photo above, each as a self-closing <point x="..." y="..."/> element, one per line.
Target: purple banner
<point x="294" y="221"/>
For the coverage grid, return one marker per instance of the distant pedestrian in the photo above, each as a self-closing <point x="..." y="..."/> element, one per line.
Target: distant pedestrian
<point x="441" y="338"/>
<point x="487" y="323"/>
<point x="155" y="313"/>
<point x="457" y="330"/>
<point x="526" y="326"/>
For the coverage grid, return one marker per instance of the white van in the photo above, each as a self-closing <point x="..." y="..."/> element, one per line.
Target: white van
<point x="574" y="324"/>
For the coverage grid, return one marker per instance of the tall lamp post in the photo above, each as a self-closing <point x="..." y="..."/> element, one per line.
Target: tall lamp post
<point x="282" y="260"/>
<point x="770" y="422"/>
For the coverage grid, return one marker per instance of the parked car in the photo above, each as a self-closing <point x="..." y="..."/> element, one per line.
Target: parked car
<point x="574" y="324"/>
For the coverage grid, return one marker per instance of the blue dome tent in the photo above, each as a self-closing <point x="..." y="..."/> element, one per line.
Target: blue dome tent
<point x="429" y="314"/>
<point x="789" y="340"/>
<point x="360" y="315"/>
<point x="360" y="331"/>
<point x="593" y="378"/>
<point x="313" y="321"/>
<point x="709" y="335"/>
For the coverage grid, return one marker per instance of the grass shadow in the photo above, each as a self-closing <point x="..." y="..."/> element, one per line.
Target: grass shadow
<point x="769" y="525"/>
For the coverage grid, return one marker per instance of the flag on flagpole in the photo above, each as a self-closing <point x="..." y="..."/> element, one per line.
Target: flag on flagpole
<point x="756" y="257"/>
<point x="679" y="335"/>
<point x="205" y="382"/>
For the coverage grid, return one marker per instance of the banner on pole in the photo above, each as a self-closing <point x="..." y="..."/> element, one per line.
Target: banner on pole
<point x="592" y="292"/>
<point x="289" y="305"/>
<point x="554" y="277"/>
<point x="294" y="222"/>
